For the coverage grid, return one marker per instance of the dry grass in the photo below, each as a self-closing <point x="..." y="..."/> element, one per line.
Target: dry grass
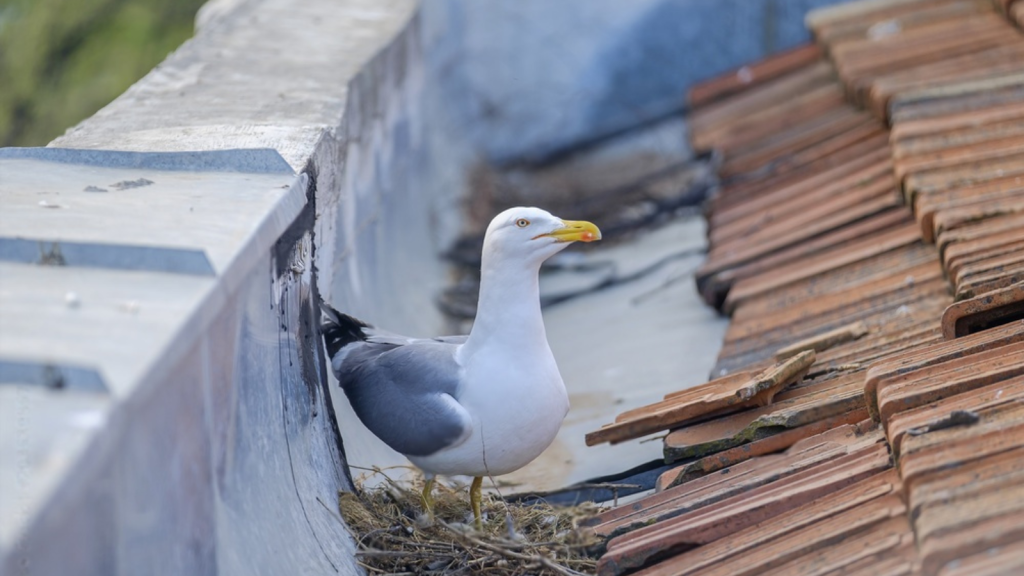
<point x="394" y="537"/>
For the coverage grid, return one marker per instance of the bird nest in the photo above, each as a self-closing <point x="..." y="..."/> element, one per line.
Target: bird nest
<point x="394" y="537"/>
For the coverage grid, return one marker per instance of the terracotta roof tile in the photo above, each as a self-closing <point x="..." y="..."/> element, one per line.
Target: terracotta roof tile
<point x="904" y="132"/>
<point x="813" y="170"/>
<point x="821" y="239"/>
<point x="972" y="66"/>
<point x="983" y="283"/>
<point x="861" y="62"/>
<point x="754" y="504"/>
<point x="980" y="229"/>
<point x="803" y="529"/>
<point x="886" y="539"/>
<point x="757" y="213"/>
<point x="901" y="14"/>
<point x="717" y="397"/>
<point x="899" y="561"/>
<point x="995" y="561"/>
<point x="998" y="429"/>
<point x="984" y="311"/>
<point x="927" y="205"/>
<point x="878" y="346"/>
<point x="956" y="176"/>
<point x="966" y="275"/>
<point x="905" y="365"/>
<point x="799" y="129"/>
<point x="792" y="409"/>
<point x="768" y="445"/>
<point x="970" y="96"/>
<point x="905" y="305"/>
<point x="867" y="260"/>
<point x="963" y="260"/>
<point x="738" y="479"/>
<point x="952" y="411"/>
<point x="756" y="74"/>
<point x="993" y="243"/>
<point x="716" y="284"/>
<point x="942" y="380"/>
<point x="709" y="122"/>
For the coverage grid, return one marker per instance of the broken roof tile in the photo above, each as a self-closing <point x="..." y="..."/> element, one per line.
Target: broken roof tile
<point x="792" y="408"/>
<point x="825" y="340"/>
<point x="717" y="397"/>
<point x="768" y="445"/>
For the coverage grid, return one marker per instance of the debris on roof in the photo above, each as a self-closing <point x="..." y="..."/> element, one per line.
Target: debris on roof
<point x="870" y="219"/>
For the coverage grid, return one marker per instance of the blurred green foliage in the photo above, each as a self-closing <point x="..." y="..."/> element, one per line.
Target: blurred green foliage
<point x="62" y="60"/>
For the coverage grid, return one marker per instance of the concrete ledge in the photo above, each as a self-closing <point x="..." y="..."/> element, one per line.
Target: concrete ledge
<point x="174" y="237"/>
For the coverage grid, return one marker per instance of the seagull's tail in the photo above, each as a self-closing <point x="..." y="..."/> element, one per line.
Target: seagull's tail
<point x="340" y="329"/>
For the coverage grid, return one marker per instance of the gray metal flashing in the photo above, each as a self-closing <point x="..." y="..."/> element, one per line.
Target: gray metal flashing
<point x="189" y="222"/>
<point x="121" y="323"/>
<point x="51" y="375"/>
<point x="251" y="160"/>
<point x="114" y="256"/>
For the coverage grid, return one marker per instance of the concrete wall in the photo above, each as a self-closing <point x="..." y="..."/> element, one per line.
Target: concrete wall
<point x="211" y="445"/>
<point x="529" y="77"/>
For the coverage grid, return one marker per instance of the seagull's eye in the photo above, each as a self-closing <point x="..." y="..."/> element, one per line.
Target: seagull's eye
<point x="522" y="222"/>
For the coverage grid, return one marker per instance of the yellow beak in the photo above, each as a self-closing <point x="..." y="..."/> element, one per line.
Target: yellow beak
<point x="576" y="231"/>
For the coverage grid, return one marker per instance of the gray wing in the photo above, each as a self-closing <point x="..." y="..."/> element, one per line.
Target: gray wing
<point x="378" y="336"/>
<point x="406" y="394"/>
<point x="452" y="339"/>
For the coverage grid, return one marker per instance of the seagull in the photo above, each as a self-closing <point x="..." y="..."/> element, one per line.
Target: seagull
<point x="480" y="405"/>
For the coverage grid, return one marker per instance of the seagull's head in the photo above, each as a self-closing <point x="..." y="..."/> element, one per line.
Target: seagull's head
<point x="533" y="235"/>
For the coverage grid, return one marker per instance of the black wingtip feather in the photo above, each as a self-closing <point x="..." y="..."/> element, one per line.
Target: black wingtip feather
<point x="339" y="329"/>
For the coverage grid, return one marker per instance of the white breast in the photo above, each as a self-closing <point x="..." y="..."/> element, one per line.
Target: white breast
<point x="517" y="401"/>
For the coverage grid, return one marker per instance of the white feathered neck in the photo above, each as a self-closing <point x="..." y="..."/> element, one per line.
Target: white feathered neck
<point x="508" y="312"/>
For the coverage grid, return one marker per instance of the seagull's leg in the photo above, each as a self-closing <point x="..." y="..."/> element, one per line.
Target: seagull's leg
<point x="428" y="499"/>
<point x="474" y="500"/>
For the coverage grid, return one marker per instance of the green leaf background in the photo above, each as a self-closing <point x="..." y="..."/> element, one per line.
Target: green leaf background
<point x="62" y="60"/>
